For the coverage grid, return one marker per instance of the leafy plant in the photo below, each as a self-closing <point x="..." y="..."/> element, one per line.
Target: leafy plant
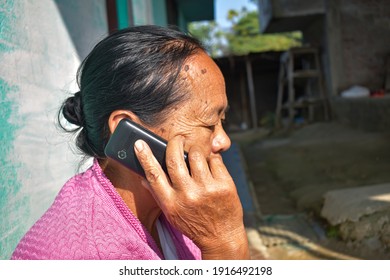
<point x="333" y="232"/>
<point x="243" y="37"/>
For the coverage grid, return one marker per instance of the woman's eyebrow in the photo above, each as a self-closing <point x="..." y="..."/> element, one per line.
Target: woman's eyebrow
<point x="227" y="108"/>
<point x="223" y="110"/>
<point x="216" y="112"/>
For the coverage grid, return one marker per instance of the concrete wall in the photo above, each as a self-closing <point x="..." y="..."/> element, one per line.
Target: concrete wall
<point x="294" y="8"/>
<point x="39" y="59"/>
<point x="365" y="41"/>
<point x="358" y="42"/>
<point x="288" y="15"/>
<point x="85" y="21"/>
<point x="370" y="114"/>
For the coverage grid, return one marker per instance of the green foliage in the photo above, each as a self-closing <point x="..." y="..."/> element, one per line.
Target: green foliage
<point x="333" y="232"/>
<point x="209" y="33"/>
<point x="244" y="23"/>
<point x="204" y="31"/>
<point x="244" y="36"/>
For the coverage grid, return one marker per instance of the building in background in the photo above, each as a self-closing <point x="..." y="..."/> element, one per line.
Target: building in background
<point x="123" y="13"/>
<point x="353" y="37"/>
<point x="41" y="46"/>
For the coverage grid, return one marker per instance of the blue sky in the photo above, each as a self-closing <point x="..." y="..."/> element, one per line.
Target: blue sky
<point x="223" y="6"/>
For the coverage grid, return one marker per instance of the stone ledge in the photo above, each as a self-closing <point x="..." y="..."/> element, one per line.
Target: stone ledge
<point x="353" y="203"/>
<point x="369" y="114"/>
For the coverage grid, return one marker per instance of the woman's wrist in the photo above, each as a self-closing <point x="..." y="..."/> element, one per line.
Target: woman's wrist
<point x="227" y="248"/>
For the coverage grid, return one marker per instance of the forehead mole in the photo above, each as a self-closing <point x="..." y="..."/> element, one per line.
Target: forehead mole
<point x="204" y="71"/>
<point x="186" y="67"/>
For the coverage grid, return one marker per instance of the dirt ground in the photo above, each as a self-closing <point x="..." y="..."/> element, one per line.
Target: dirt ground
<point x="291" y="171"/>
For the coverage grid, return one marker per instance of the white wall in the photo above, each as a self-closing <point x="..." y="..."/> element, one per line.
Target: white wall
<point x="38" y="66"/>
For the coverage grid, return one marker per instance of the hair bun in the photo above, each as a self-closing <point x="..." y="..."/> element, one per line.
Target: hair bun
<point x="72" y="110"/>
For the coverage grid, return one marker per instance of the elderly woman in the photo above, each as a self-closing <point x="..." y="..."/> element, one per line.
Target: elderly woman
<point x="163" y="80"/>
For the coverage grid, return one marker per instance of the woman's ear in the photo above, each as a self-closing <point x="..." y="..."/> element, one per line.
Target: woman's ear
<point x="118" y="115"/>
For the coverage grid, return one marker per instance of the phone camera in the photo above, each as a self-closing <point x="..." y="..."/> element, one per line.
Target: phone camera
<point x="122" y="154"/>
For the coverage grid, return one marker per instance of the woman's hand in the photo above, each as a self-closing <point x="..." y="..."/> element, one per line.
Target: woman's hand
<point x="204" y="205"/>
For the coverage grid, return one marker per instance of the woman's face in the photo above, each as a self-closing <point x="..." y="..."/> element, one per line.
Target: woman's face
<point x="199" y="119"/>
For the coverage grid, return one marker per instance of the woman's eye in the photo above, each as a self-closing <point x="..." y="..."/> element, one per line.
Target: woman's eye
<point x="211" y="127"/>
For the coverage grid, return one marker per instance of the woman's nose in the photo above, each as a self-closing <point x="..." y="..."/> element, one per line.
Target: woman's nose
<point x="221" y="141"/>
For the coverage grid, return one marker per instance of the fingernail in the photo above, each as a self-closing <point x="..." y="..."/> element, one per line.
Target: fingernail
<point x="139" y="145"/>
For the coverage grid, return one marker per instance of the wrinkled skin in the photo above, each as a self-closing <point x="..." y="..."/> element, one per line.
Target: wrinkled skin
<point x="201" y="202"/>
<point x="204" y="206"/>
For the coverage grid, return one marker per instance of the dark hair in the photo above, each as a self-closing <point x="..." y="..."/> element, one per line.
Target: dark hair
<point x="134" y="69"/>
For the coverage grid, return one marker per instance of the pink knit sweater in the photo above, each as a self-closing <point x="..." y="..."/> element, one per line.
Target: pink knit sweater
<point x="89" y="220"/>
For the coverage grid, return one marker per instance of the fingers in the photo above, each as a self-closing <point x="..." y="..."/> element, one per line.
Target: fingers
<point x="218" y="168"/>
<point x="155" y="175"/>
<point x="200" y="171"/>
<point x="176" y="166"/>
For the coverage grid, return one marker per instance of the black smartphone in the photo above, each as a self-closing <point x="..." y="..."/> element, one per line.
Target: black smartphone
<point x="120" y="146"/>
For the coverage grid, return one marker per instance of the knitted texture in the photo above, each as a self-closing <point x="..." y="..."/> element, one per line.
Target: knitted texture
<point x="89" y="220"/>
